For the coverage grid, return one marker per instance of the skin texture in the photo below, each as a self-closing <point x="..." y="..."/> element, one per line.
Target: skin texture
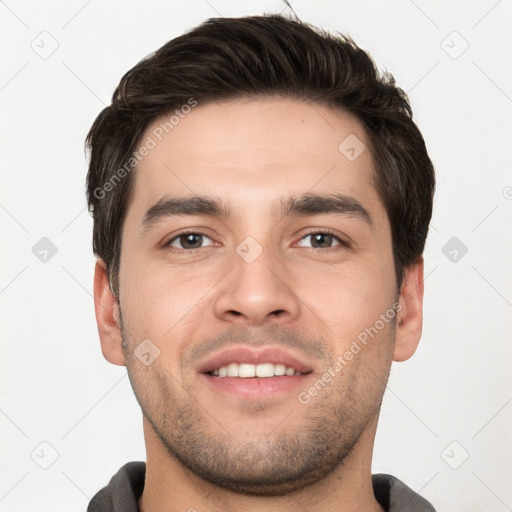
<point x="216" y="451"/>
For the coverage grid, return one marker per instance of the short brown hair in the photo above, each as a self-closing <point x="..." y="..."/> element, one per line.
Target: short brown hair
<point x="251" y="56"/>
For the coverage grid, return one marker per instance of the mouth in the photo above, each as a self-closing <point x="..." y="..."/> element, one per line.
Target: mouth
<point x="255" y="373"/>
<point x="247" y="371"/>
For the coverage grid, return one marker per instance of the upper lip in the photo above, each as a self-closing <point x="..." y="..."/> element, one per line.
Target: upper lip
<point x="254" y="356"/>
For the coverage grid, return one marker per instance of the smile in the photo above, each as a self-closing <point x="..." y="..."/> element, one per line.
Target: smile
<point x="245" y="370"/>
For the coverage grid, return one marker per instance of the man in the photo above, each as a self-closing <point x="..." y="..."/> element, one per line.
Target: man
<point x="261" y="199"/>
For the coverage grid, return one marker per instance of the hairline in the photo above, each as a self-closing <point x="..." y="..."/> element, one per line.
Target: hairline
<point x="374" y="175"/>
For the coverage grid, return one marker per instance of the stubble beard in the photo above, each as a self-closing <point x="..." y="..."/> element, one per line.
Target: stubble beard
<point x="299" y="452"/>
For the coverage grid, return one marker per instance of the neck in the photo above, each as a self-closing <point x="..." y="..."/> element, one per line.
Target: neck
<point x="171" y="487"/>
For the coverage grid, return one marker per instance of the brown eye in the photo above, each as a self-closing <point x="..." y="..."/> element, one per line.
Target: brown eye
<point x="189" y="241"/>
<point x="321" y="240"/>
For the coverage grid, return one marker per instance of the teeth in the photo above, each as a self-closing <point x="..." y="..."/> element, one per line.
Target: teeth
<point x="245" y="370"/>
<point x="279" y="369"/>
<point x="265" y="370"/>
<point x="232" y="370"/>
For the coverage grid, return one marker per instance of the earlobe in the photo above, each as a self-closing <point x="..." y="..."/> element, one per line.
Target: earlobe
<point x="107" y="317"/>
<point x="410" y="316"/>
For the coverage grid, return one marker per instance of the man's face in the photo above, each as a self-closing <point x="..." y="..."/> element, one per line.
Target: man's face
<point x="279" y="277"/>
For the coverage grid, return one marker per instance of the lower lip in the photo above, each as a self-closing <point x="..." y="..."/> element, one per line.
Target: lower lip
<point x="256" y="387"/>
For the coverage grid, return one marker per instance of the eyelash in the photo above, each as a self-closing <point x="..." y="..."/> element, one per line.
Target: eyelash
<point x="342" y="242"/>
<point x="184" y="233"/>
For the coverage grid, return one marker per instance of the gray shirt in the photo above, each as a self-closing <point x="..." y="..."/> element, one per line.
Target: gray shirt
<point x="125" y="488"/>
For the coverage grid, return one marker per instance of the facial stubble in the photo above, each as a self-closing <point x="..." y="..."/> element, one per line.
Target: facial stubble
<point x="306" y="445"/>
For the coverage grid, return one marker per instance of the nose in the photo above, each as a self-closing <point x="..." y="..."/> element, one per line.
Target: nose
<point x="257" y="293"/>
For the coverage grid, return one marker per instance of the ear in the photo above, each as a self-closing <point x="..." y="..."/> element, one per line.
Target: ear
<point x="410" y="317"/>
<point x="107" y="316"/>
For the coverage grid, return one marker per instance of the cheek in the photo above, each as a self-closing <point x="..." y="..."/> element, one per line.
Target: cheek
<point x="159" y="300"/>
<point x="350" y="299"/>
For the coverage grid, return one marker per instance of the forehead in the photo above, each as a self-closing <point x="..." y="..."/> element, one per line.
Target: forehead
<point x="247" y="151"/>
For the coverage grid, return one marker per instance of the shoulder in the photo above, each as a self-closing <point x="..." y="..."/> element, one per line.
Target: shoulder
<point x="122" y="492"/>
<point x="394" y="495"/>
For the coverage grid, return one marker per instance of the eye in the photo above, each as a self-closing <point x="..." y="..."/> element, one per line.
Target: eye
<point x="189" y="241"/>
<point x="321" y="240"/>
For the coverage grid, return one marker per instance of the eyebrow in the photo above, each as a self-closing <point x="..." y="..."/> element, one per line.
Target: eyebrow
<point x="191" y="205"/>
<point x="304" y="205"/>
<point x="316" y="204"/>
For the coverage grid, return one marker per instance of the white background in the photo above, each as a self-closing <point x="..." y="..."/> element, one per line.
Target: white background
<point x="55" y="385"/>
